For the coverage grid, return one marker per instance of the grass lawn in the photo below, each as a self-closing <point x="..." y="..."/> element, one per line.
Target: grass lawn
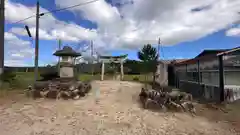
<point x="24" y="79"/>
<point x="87" y="77"/>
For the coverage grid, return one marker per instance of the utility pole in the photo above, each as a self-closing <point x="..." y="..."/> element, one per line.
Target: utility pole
<point x="2" y="19"/>
<point x="92" y="57"/>
<point x="59" y="48"/>
<point x="158" y="59"/>
<point x="159" y="42"/>
<point x="36" y="43"/>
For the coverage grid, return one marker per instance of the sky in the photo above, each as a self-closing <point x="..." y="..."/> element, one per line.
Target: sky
<point x="118" y="27"/>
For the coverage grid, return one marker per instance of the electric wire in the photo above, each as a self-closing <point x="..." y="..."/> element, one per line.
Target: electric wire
<point x="57" y="10"/>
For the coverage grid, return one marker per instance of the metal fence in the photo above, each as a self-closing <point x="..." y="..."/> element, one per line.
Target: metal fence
<point x="231" y="63"/>
<point x="212" y="78"/>
<point x="200" y="77"/>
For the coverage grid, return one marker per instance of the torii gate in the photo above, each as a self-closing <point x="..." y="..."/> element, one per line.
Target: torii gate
<point x="116" y="59"/>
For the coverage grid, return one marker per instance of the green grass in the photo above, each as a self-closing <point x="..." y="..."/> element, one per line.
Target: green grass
<point x="88" y="77"/>
<point x="21" y="81"/>
<point x="24" y="79"/>
<point x="139" y="78"/>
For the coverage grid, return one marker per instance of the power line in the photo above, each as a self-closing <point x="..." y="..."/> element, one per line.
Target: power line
<point x="57" y="10"/>
<point x="24" y="19"/>
<point x="77" y="5"/>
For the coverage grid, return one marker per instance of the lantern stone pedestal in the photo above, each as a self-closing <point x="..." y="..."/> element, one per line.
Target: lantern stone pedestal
<point x="67" y="86"/>
<point x="67" y="61"/>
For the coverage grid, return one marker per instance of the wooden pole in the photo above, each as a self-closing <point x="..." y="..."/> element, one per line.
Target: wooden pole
<point x="221" y="77"/>
<point x="103" y="68"/>
<point x="92" y="57"/>
<point x="2" y="19"/>
<point x="59" y="48"/>
<point x="159" y="42"/>
<point x="122" y="72"/>
<point x="199" y="74"/>
<point x="37" y="43"/>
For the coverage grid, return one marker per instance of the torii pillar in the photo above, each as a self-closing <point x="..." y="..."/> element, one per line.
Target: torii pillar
<point x="115" y="59"/>
<point x="103" y="68"/>
<point x="122" y="72"/>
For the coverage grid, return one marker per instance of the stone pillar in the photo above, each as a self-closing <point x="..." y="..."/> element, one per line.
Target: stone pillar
<point x="103" y="68"/>
<point x="122" y="72"/>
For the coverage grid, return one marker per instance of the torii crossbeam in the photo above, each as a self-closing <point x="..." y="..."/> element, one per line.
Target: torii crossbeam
<point x="116" y="59"/>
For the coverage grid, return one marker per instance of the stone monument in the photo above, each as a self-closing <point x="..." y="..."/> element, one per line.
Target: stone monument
<point x="67" y="61"/>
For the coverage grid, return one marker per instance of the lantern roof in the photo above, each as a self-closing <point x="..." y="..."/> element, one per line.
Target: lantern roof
<point x="67" y="51"/>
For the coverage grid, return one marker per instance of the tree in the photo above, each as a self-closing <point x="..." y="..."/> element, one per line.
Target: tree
<point x="148" y="55"/>
<point x="134" y="66"/>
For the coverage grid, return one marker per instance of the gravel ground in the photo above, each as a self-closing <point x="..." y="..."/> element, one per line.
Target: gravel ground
<point x="116" y="112"/>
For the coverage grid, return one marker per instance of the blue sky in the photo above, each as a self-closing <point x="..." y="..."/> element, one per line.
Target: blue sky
<point x="182" y="37"/>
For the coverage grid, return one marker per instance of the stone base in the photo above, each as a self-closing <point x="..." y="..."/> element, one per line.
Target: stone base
<point x="60" y="88"/>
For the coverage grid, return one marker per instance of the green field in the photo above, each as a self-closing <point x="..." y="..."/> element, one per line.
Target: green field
<point x="23" y="79"/>
<point x="140" y="78"/>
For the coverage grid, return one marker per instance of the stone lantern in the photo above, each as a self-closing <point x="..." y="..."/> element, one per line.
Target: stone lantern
<point x="67" y="61"/>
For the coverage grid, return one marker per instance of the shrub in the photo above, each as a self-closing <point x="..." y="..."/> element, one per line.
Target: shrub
<point x="8" y="76"/>
<point x="49" y="73"/>
<point x="135" y="78"/>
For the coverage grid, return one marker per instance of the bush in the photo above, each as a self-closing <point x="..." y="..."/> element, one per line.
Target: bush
<point x="135" y="78"/>
<point x="49" y="73"/>
<point x="8" y="76"/>
<point x="11" y="80"/>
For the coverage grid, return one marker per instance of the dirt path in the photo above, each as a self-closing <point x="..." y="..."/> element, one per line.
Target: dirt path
<point x="116" y="113"/>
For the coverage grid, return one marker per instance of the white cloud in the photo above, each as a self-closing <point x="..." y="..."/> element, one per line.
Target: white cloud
<point x="145" y="21"/>
<point x="70" y="32"/>
<point x="233" y="32"/>
<point x="73" y="32"/>
<point x="50" y="27"/>
<point x="16" y="11"/>
<point x="132" y="25"/>
<point x="105" y="12"/>
<point x="14" y="63"/>
<point x="16" y="50"/>
<point x="43" y="34"/>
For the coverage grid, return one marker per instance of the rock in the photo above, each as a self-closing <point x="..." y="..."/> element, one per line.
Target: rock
<point x="60" y="89"/>
<point x="52" y="94"/>
<point x="36" y="94"/>
<point x="44" y="93"/>
<point x="76" y="97"/>
<point x="40" y="85"/>
<point x="72" y="88"/>
<point x="75" y="91"/>
<point x="176" y="100"/>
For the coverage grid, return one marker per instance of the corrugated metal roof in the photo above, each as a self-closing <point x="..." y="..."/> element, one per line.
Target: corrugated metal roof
<point x="209" y="54"/>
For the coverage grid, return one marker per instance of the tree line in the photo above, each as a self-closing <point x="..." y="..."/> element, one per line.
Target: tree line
<point x="146" y="63"/>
